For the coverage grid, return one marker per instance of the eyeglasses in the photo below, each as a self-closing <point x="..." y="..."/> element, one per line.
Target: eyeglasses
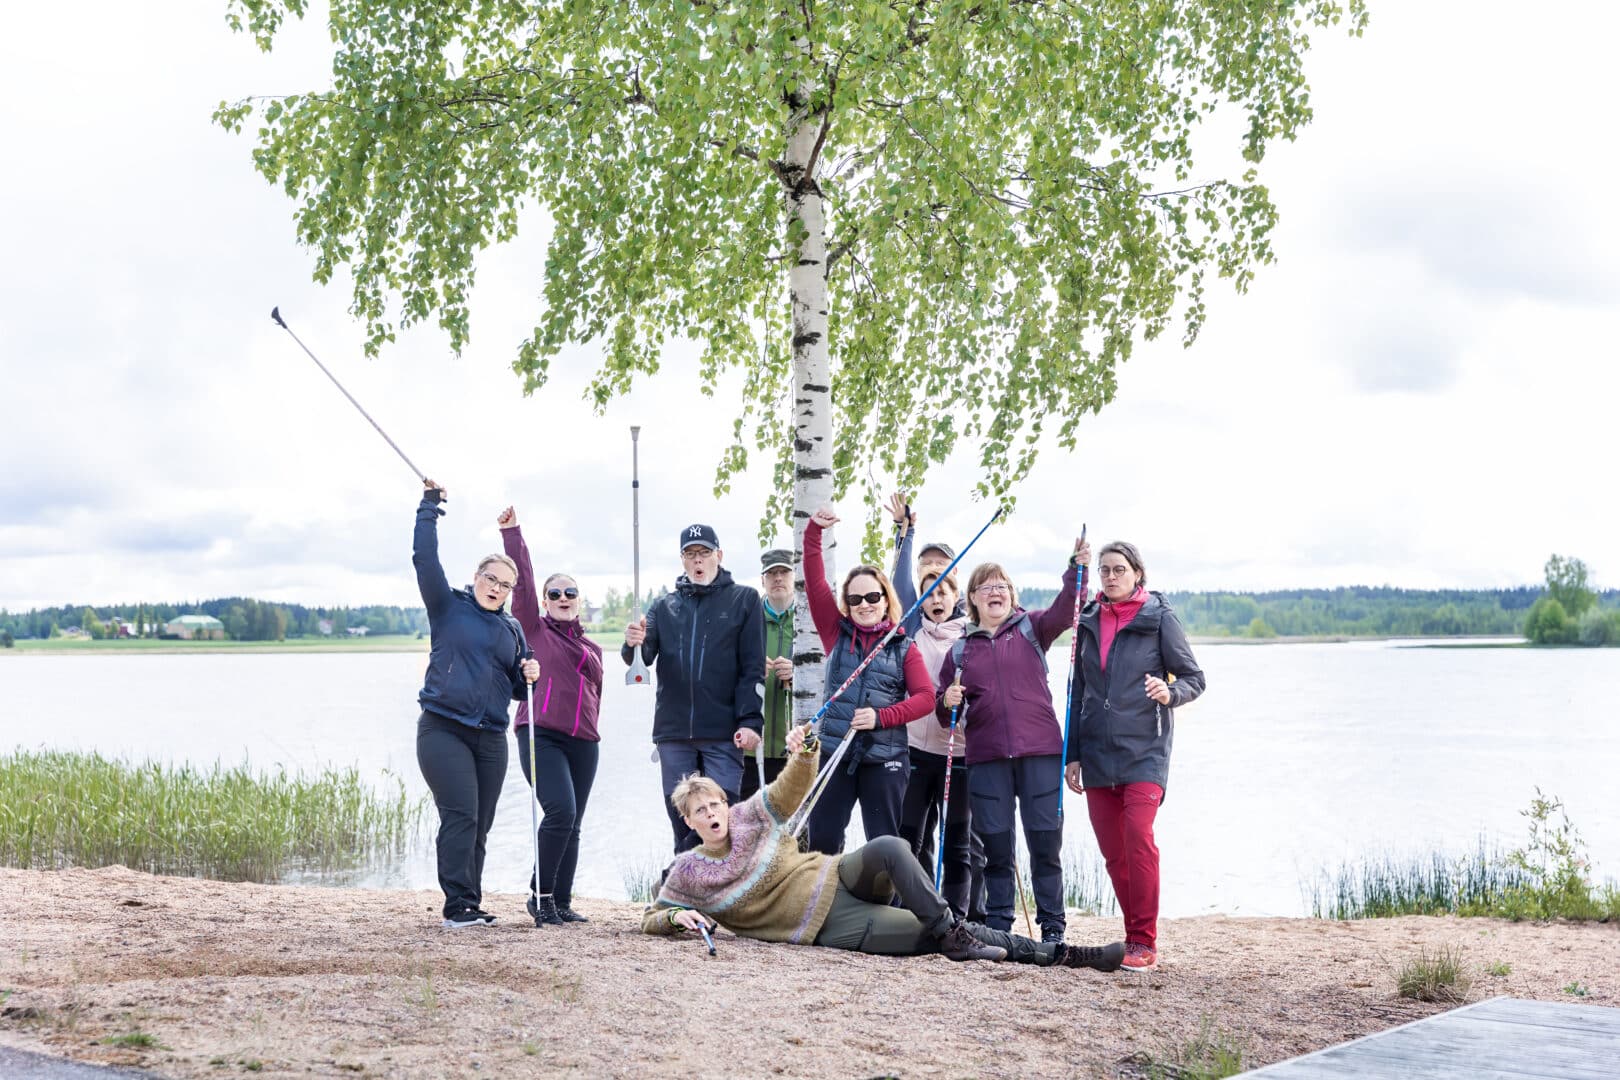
<point x="500" y="586"/>
<point x="852" y="599"/>
<point x="1112" y="571"/>
<point x="693" y="554"/>
<point x="558" y="594"/>
<point x="993" y="590"/>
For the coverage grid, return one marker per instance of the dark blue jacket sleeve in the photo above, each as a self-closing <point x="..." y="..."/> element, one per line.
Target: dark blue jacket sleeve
<point x="904" y="587"/>
<point x="430" y="579"/>
<point x="748" y="701"/>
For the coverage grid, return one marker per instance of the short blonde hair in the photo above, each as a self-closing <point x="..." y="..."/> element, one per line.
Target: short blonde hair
<point x="502" y="559"/>
<point x="693" y="784"/>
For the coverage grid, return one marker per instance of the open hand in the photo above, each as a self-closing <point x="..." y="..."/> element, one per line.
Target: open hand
<point x="1071" y="776"/>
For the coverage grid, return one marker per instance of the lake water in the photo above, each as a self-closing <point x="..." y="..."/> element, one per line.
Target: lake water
<point x="1298" y="756"/>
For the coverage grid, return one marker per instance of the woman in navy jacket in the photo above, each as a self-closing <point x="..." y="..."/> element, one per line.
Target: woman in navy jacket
<point x="477" y="667"/>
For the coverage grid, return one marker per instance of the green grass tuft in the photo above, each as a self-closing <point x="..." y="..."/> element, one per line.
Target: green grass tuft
<point x="139" y="1039"/>
<point x="1436" y="976"/>
<point x="65" y="809"/>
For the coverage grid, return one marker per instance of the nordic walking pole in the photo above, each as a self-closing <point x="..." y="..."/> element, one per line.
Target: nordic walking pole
<point x="801" y="815"/>
<point x="1023" y="900"/>
<point x="534" y="800"/>
<point x="275" y="313"/>
<point x="1074" y="655"/>
<point x="945" y="803"/>
<point x="703" y="928"/>
<point x="637" y="674"/>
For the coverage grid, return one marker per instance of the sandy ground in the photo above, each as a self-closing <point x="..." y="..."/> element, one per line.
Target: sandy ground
<point x="280" y="980"/>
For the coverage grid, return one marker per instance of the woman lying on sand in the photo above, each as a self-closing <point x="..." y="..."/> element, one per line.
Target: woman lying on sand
<point x="749" y="876"/>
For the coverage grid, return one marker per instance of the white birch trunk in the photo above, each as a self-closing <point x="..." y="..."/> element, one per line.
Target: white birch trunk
<point x="812" y="394"/>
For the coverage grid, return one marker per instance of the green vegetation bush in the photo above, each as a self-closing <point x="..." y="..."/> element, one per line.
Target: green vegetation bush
<point x="64" y="809"/>
<point x="1549" y="878"/>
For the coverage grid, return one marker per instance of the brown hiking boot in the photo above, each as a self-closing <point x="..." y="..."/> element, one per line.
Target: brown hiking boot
<point x="960" y="944"/>
<point x="1097" y="957"/>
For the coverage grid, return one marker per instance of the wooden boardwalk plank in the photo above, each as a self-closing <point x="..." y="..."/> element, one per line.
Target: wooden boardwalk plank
<point x="1499" y="1039"/>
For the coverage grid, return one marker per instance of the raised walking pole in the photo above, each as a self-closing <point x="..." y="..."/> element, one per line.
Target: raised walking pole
<point x="637" y="674"/>
<point x="275" y="314"/>
<point x="1074" y="654"/>
<point x="802" y="814"/>
<point x="945" y="803"/>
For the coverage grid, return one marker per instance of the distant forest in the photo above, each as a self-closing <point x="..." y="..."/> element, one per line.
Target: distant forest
<point x="1349" y="611"/>
<point x="245" y="619"/>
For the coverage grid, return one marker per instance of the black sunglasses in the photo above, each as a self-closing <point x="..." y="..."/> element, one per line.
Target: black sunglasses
<point x="851" y="599"/>
<point x="558" y="594"/>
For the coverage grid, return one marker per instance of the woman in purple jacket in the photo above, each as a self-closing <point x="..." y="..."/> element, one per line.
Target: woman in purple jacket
<point x="567" y="700"/>
<point x="1014" y="744"/>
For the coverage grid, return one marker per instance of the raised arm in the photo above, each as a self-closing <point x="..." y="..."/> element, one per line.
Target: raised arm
<point x="526" y="594"/>
<point x="823" y="607"/>
<point x="1050" y="623"/>
<point x="905" y="537"/>
<point x="430" y="579"/>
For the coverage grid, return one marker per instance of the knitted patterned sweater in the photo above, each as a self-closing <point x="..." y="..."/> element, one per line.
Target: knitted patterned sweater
<point x="760" y="885"/>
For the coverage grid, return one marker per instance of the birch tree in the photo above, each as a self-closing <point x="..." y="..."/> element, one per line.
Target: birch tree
<point x="908" y="222"/>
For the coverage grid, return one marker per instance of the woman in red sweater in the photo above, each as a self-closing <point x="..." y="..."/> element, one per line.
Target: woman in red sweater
<point x="894" y="690"/>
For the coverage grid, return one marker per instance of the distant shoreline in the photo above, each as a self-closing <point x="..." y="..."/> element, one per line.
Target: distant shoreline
<point x="381" y="643"/>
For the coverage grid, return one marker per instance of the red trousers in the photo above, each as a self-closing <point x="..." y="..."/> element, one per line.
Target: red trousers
<point x="1122" y="817"/>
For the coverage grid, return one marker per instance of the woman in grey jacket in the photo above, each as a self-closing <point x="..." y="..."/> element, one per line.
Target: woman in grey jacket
<point x="1133" y="668"/>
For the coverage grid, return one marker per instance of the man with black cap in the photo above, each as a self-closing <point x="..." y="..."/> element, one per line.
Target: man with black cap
<point x="776" y="581"/>
<point x="707" y="640"/>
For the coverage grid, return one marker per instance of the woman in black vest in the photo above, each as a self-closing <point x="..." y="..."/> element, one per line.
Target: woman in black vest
<point x="894" y="690"/>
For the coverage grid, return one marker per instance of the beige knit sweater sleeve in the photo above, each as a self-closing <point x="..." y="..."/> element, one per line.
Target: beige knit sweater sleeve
<point x="792" y="784"/>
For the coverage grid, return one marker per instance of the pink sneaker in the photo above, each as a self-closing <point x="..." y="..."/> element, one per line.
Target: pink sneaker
<point x="1139" y="957"/>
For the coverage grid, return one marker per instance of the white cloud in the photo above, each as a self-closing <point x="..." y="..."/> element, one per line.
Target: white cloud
<point x="1412" y="395"/>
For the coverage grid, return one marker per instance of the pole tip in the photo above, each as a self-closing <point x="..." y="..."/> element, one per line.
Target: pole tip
<point x="275" y="314"/>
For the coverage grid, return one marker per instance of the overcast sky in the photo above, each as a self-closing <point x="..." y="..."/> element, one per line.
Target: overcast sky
<point x="1420" y="392"/>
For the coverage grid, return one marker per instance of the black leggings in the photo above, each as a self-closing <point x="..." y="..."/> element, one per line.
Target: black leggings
<point x="879" y="787"/>
<point x="464" y="768"/>
<point x="567" y="768"/>
<point x="919" y="823"/>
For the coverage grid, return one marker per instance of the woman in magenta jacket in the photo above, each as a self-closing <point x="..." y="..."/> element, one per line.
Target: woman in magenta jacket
<point x="567" y="702"/>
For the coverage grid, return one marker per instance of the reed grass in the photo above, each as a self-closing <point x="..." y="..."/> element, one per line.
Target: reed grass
<point x="1086" y="885"/>
<point x="1436" y="976"/>
<point x="1433" y="883"/>
<point x="643" y="876"/>
<point x="65" y="809"/>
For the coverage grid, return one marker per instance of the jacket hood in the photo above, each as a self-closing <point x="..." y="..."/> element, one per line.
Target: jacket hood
<point x="687" y="586"/>
<point x="1152" y="612"/>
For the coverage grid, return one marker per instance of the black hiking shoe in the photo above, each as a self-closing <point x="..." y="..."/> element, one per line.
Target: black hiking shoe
<point x="545" y="911"/>
<point x="1051" y="935"/>
<point x="958" y="943"/>
<point x="468" y="917"/>
<point x="568" y="914"/>
<point x="1096" y="957"/>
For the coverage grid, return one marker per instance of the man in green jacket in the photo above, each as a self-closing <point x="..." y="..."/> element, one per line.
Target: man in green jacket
<point x="776" y="588"/>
